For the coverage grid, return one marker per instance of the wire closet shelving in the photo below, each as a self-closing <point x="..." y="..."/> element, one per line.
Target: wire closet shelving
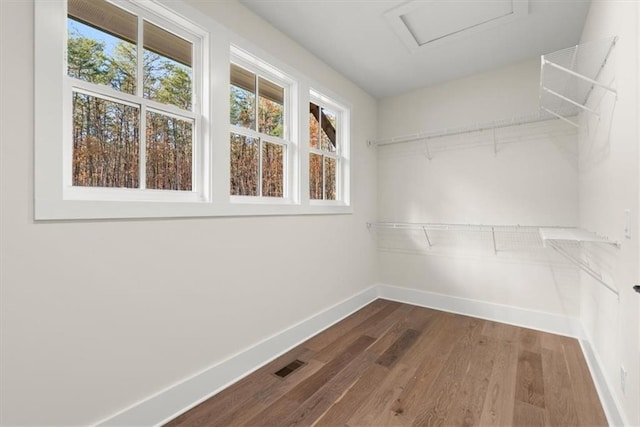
<point x="569" y="242"/>
<point x="568" y="79"/>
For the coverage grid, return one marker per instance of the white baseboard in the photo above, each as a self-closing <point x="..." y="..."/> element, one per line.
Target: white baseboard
<point x="612" y="408"/>
<point x="541" y="321"/>
<point x="173" y="401"/>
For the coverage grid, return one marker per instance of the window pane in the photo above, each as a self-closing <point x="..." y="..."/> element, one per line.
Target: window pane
<point x="314" y="125"/>
<point x="244" y="165"/>
<point x="330" y="178"/>
<point x="315" y="176"/>
<point x="101" y="44"/>
<point x="328" y="122"/>
<point x="272" y="170"/>
<point x="168" y="70"/>
<point x="169" y="153"/>
<point x="105" y="143"/>
<point x="270" y="108"/>
<point x="243" y="97"/>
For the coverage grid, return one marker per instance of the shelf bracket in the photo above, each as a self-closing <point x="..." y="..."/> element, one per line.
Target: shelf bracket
<point x="571" y="101"/>
<point x="580" y="76"/>
<point x="564" y="119"/>
<point x="493" y="235"/>
<point x="426" y="149"/>
<point x="427" y="236"/>
<point x="495" y="143"/>
<point x="582" y="266"/>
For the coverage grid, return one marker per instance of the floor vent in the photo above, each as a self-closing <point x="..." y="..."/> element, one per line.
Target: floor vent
<point x="289" y="368"/>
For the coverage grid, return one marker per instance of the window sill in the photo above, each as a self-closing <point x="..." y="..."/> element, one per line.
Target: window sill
<point x="64" y="210"/>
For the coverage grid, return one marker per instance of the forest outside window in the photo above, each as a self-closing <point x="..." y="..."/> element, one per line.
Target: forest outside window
<point x="327" y="149"/>
<point x="131" y="123"/>
<point x="259" y="140"/>
<point x="133" y="81"/>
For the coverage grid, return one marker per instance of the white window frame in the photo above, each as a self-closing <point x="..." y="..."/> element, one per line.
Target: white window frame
<point x="268" y="72"/>
<point x="51" y="129"/>
<point x="55" y="196"/>
<point x="342" y="153"/>
<point x="172" y="23"/>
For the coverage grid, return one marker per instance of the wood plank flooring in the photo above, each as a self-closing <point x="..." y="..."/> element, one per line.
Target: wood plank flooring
<point x="393" y="364"/>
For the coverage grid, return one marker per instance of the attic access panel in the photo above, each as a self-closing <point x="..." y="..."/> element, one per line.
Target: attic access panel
<point x="421" y="23"/>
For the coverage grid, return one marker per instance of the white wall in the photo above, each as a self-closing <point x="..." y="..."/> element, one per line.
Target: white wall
<point x="608" y="184"/>
<point x="531" y="180"/>
<point x="98" y="315"/>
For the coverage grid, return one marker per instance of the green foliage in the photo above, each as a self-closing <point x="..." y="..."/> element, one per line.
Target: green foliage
<point x="106" y="134"/>
<point x="86" y="60"/>
<point x="166" y="81"/>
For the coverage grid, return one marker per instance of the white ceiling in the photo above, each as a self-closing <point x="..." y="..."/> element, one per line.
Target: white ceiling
<point x="370" y="41"/>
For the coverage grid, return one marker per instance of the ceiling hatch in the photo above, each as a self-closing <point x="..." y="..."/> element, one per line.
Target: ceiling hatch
<point x="421" y="23"/>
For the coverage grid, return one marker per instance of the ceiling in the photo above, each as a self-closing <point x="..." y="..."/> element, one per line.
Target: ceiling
<point x="388" y="47"/>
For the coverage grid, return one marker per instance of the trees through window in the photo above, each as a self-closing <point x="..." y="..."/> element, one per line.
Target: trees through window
<point x="133" y="116"/>
<point x="324" y="152"/>
<point x="130" y="121"/>
<point x="258" y="140"/>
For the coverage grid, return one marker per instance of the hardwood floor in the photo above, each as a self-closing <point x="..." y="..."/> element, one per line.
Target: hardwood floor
<point x="393" y="364"/>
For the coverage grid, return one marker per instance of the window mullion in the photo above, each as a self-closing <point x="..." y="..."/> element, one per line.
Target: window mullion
<point x="143" y="147"/>
<point x="286" y="172"/>
<point x="142" y="137"/>
<point x="324" y="179"/>
<point x="256" y="109"/>
<point x="260" y="142"/>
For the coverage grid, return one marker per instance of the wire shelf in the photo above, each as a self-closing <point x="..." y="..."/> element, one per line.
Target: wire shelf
<point x="494" y="139"/>
<point x="569" y="76"/>
<point x="542" y="116"/>
<point x="573" y="235"/>
<point x="569" y="242"/>
<point x="475" y="237"/>
<point x="567" y="79"/>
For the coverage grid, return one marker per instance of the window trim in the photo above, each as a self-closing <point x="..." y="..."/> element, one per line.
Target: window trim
<point x="343" y="149"/>
<point x="49" y="203"/>
<point x="170" y="22"/>
<point x="290" y="140"/>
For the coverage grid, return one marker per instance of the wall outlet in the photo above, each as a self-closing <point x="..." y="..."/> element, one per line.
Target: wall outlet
<point x="623" y="379"/>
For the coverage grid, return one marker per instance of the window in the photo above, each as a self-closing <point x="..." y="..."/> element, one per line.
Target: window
<point x="260" y="141"/>
<point x="133" y="81"/>
<point x="131" y="121"/>
<point x="328" y="149"/>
